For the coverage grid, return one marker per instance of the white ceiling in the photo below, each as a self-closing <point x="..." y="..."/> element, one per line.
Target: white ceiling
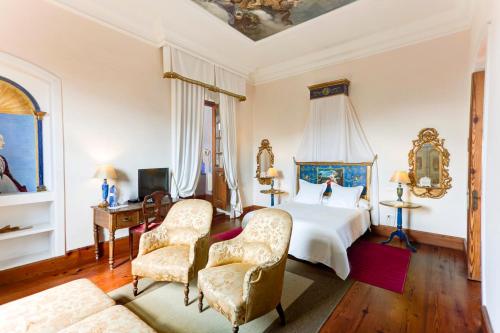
<point x="355" y="30"/>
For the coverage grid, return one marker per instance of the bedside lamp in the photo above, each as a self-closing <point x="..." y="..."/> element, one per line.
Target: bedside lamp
<point x="105" y="172"/>
<point x="400" y="177"/>
<point x="272" y="173"/>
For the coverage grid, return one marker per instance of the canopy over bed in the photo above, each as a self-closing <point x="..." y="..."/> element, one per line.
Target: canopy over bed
<point x="333" y="136"/>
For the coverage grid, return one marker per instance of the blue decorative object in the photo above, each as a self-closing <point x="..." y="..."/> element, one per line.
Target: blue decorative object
<point x="105" y="191"/>
<point x="112" y="197"/>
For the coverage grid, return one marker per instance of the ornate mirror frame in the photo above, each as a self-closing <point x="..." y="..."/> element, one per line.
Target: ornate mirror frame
<point x="430" y="136"/>
<point x="264" y="146"/>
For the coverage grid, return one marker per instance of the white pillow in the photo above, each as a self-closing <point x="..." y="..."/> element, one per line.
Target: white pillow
<point x="310" y="193"/>
<point x="345" y="197"/>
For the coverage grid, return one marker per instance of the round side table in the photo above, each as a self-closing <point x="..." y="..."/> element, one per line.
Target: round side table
<point x="272" y="192"/>
<point x="399" y="205"/>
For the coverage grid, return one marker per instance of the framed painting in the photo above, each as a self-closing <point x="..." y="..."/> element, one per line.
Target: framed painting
<point x="21" y="146"/>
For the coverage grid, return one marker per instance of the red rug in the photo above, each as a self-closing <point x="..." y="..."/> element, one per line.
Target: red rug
<point x="380" y="265"/>
<point x="226" y="235"/>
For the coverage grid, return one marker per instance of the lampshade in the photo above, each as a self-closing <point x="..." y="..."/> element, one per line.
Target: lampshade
<point x="105" y="172"/>
<point x="400" y="177"/>
<point x="272" y="172"/>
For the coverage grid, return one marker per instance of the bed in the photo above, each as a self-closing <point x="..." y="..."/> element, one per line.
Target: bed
<point x="322" y="234"/>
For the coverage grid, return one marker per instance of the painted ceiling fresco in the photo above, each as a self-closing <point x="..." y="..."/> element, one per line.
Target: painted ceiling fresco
<point x="258" y="19"/>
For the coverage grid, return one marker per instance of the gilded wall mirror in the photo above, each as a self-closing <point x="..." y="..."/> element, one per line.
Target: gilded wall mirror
<point x="429" y="162"/>
<point x="265" y="160"/>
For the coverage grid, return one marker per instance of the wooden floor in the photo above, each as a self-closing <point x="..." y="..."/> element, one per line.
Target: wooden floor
<point x="437" y="296"/>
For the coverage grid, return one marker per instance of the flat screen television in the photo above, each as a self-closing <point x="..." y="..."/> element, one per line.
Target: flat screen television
<point x="151" y="180"/>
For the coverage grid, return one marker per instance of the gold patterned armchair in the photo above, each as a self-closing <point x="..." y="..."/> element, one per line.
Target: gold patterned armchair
<point x="244" y="276"/>
<point x="178" y="248"/>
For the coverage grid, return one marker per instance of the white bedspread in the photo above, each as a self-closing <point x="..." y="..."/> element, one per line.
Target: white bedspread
<point x="322" y="234"/>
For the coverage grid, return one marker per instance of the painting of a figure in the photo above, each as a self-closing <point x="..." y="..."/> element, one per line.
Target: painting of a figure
<point x="258" y="19"/>
<point x="19" y="154"/>
<point x="344" y="175"/>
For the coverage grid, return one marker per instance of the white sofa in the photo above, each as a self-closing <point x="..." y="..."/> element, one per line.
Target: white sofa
<point x="76" y="306"/>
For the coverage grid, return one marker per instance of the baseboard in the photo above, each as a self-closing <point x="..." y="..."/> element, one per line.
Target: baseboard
<point x="485" y="320"/>
<point x="74" y="259"/>
<point x="424" y="237"/>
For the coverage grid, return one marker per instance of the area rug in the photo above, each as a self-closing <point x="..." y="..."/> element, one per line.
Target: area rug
<point x="379" y="265"/>
<point x="226" y="235"/>
<point x="309" y="296"/>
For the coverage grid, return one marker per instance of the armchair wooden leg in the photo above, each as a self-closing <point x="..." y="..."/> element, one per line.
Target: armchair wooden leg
<point x="135" y="281"/>
<point x="236" y="328"/>
<point x="186" y="294"/>
<point x="200" y="301"/>
<point x="281" y="313"/>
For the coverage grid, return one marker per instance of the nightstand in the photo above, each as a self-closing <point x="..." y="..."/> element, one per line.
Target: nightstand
<point x="399" y="205"/>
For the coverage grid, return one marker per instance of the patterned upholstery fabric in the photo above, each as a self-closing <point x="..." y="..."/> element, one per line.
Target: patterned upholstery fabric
<point x="53" y="309"/>
<point x="244" y="276"/>
<point x="178" y="248"/>
<point x="116" y="319"/>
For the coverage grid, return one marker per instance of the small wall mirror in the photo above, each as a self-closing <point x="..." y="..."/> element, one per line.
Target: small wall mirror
<point x="429" y="162"/>
<point x="265" y="160"/>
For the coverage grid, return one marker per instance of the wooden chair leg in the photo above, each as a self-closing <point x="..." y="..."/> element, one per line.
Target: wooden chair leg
<point x="236" y="328"/>
<point x="135" y="281"/>
<point x="131" y="244"/>
<point x="200" y="301"/>
<point x="186" y="294"/>
<point x="281" y="313"/>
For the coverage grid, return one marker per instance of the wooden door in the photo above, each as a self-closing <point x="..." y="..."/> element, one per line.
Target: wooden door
<point x="220" y="190"/>
<point x="474" y="189"/>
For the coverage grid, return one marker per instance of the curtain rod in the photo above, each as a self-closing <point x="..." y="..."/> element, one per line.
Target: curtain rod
<point x="174" y="75"/>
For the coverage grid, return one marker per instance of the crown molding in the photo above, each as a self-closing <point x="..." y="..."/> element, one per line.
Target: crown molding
<point x="421" y="31"/>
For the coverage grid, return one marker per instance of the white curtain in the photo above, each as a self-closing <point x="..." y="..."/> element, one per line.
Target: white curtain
<point x="227" y="110"/>
<point x="229" y="81"/>
<point x="333" y="134"/>
<point x="187" y="65"/>
<point x="187" y="134"/>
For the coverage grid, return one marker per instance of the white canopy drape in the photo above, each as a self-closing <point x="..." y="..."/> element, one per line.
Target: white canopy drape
<point x="227" y="109"/>
<point x="333" y="134"/>
<point x="187" y="134"/>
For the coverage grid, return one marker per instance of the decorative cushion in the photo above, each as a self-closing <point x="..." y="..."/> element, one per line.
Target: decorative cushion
<point x="53" y="309"/>
<point x="170" y="263"/>
<point x="223" y="289"/>
<point x="116" y="319"/>
<point x="345" y="197"/>
<point x="310" y="193"/>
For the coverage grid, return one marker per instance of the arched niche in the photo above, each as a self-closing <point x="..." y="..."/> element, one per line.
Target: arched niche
<point x="21" y="140"/>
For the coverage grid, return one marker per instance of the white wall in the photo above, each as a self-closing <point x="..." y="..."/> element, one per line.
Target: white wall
<point x="115" y="102"/>
<point x="396" y="94"/>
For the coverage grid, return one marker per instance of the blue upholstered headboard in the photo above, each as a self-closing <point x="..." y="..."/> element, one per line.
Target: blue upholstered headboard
<point x="345" y="174"/>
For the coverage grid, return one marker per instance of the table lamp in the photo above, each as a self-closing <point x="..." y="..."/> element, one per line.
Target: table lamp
<point x="105" y="172"/>
<point x="400" y="177"/>
<point x="272" y="173"/>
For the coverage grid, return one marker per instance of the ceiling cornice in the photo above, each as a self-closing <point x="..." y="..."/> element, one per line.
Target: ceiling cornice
<point x="435" y="27"/>
<point x="456" y="19"/>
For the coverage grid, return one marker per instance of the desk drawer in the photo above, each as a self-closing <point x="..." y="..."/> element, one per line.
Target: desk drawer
<point x="127" y="219"/>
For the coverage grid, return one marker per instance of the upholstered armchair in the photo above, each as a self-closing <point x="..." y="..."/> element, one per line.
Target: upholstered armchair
<point x="244" y="276"/>
<point x="178" y="248"/>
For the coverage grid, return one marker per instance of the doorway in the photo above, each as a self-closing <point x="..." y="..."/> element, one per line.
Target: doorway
<point x="474" y="179"/>
<point x="212" y="185"/>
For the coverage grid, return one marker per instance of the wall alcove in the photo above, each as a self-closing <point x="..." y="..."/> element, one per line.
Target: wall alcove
<point x="31" y="163"/>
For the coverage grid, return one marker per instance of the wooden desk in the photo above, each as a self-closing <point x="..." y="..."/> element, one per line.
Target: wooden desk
<point x="114" y="219"/>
